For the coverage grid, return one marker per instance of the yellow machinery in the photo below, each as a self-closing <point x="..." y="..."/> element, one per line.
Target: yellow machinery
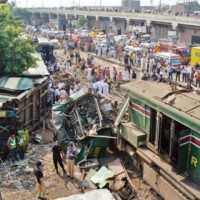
<point x="195" y="56"/>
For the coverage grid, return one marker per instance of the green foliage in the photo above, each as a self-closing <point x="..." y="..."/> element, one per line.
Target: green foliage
<point x="15" y="50"/>
<point x="81" y="21"/>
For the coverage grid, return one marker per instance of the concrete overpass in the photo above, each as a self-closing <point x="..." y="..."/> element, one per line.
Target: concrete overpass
<point x="160" y="25"/>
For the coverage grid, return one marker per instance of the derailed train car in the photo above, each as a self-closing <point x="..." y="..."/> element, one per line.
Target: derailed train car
<point x="23" y="101"/>
<point x="88" y="122"/>
<point x="162" y="137"/>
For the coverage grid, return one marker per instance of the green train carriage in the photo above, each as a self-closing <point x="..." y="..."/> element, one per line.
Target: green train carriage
<point x="163" y="131"/>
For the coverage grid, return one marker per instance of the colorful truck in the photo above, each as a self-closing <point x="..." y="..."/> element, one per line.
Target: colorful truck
<point x="182" y="51"/>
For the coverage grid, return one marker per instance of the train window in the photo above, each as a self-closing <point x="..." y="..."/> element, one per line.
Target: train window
<point x="152" y="135"/>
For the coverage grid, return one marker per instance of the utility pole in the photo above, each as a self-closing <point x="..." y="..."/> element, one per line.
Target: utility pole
<point x="100" y="3"/>
<point x="160" y="5"/>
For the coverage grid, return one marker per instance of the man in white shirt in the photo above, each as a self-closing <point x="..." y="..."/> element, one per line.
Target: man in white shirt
<point x="63" y="94"/>
<point x="105" y="88"/>
<point x="188" y="73"/>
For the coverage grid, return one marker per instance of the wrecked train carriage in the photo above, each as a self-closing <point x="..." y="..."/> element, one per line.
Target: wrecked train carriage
<point x="162" y="137"/>
<point x="87" y="121"/>
<point x="89" y="115"/>
<point x="23" y="101"/>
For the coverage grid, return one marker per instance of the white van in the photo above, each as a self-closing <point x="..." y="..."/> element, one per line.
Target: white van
<point x="119" y="38"/>
<point x="166" y="59"/>
<point x="131" y="49"/>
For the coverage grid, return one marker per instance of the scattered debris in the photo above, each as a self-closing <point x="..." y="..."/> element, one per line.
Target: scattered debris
<point x="88" y="163"/>
<point x="101" y="176"/>
<point x="86" y="182"/>
<point x="101" y="194"/>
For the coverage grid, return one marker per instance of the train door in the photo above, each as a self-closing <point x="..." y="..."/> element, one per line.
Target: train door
<point x="171" y="133"/>
<point x="152" y="134"/>
<point x="164" y="136"/>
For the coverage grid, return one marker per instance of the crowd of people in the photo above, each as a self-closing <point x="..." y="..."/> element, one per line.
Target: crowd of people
<point x="100" y="79"/>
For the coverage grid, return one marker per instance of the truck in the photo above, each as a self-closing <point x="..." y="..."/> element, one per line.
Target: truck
<point x="195" y="56"/>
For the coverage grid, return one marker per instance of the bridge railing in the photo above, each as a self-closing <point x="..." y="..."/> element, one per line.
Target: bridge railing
<point x="164" y="17"/>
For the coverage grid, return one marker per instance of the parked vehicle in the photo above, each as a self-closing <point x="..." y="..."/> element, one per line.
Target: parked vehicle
<point x="195" y="56"/>
<point x="166" y="59"/>
<point x="46" y="50"/>
<point x="145" y="37"/>
<point x="121" y="38"/>
<point x="184" y="52"/>
<point x="84" y="33"/>
<point x="131" y="49"/>
<point x="56" y="43"/>
<point x="162" y="137"/>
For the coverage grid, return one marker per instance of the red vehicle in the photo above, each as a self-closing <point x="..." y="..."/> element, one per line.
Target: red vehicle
<point x="184" y="53"/>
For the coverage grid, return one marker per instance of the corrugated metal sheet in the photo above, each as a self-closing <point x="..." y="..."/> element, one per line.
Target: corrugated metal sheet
<point x="16" y="83"/>
<point x="5" y="97"/>
<point x="20" y="86"/>
<point x="40" y="70"/>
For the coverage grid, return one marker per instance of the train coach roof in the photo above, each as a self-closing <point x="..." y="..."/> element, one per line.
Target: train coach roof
<point x="180" y="105"/>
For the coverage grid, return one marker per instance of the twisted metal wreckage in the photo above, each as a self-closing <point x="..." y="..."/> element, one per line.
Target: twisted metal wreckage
<point x="86" y="120"/>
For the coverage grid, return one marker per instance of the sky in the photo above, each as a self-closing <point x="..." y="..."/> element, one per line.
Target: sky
<point x="58" y="3"/>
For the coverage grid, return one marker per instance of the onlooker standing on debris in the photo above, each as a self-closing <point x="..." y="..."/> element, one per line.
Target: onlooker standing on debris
<point x="57" y="157"/>
<point x="27" y="138"/>
<point x="71" y="154"/>
<point x="12" y="145"/>
<point x="188" y="73"/>
<point x="20" y="145"/>
<point x="114" y="74"/>
<point x="90" y="86"/>
<point x="170" y="72"/>
<point x="41" y="189"/>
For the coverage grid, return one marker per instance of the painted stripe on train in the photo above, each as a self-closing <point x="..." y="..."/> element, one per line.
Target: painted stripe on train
<point x="140" y="109"/>
<point x="190" y="139"/>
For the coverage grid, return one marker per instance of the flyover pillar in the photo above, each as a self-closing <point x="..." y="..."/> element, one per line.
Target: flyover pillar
<point x="127" y="24"/>
<point x="148" y="26"/>
<point x="112" y="25"/>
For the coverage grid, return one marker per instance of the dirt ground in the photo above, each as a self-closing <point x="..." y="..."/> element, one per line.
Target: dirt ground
<point x="56" y="185"/>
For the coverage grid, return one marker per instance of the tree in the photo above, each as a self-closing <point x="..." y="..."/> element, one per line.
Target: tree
<point x="81" y="21"/>
<point x="15" y="50"/>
